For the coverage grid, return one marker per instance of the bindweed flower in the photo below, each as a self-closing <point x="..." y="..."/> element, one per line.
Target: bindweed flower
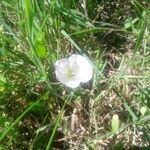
<point x="73" y="70"/>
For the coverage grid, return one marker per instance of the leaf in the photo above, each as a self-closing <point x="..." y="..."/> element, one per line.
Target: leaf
<point x="122" y="98"/>
<point x="71" y="40"/>
<point x="2" y="83"/>
<point x="115" y="124"/>
<point x="29" y="13"/>
<point x="143" y="110"/>
<point x="130" y="22"/>
<point x="40" y="48"/>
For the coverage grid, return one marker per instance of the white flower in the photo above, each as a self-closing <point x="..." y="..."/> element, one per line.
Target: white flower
<point x="73" y="70"/>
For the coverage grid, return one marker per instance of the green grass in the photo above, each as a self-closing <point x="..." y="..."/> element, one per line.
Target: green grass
<point x="38" y="112"/>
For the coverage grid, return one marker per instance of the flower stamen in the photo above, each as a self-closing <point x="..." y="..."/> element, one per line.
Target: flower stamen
<point x="70" y="73"/>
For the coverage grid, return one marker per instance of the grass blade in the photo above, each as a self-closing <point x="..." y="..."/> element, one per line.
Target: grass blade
<point x="29" y="14"/>
<point x="2" y="136"/>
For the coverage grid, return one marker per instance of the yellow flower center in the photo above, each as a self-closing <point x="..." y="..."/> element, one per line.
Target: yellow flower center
<point x="69" y="72"/>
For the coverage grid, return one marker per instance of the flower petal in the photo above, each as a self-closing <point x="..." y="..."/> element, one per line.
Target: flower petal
<point x="61" y="67"/>
<point x="61" y="64"/>
<point x="85" y="67"/>
<point x="66" y="81"/>
<point x="73" y="83"/>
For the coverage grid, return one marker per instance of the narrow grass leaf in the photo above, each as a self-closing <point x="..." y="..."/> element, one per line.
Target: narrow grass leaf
<point x="142" y="31"/>
<point x="29" y="13"/>
<point x="16" y="121"/>
<point x="71" y="40"/>
<point x="119" y="94"/>
<point x="57" y="122"/>
<point x="144" y="119"/>
<point x="97" y="30"/>
<point x="3" y="134"/>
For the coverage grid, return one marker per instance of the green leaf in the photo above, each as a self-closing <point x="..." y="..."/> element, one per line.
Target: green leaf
<point x="40" y="48"/>
<point x="2" y="83"/>
<point x="115" y="124"/>
<point x="71" y="40"/>
<point x="29" y="13"/>
<point x="2" y="147"/>
<point x="122" y="98"/>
